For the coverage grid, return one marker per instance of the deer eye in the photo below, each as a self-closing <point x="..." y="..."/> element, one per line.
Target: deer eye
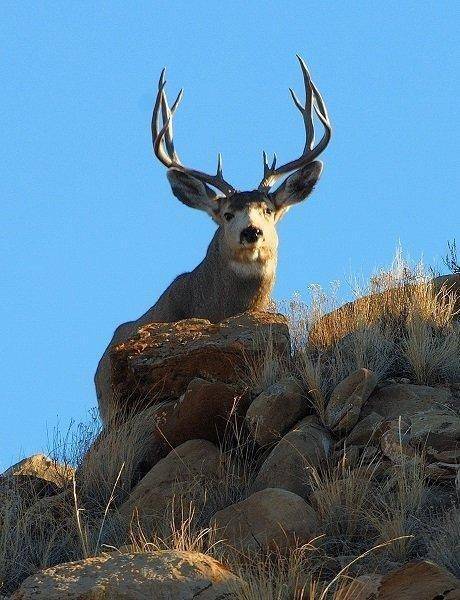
<point x="268" y="211"/>
<point x="228" y="216"/>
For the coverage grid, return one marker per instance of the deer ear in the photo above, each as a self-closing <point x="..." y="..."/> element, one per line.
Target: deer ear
<point x="297" y="186"/>
<point x="193" y="192"/>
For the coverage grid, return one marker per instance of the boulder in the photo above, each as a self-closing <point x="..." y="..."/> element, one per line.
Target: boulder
<point x="183" y="472"/>
<point x="206" y="410"/>
<point x="272" y="518"/>
<point x="288" y="464"/>
<point x="162" y="575"/>
<point x="420" y="580"/>
<point x="160" y="361"/>
<point x="344" y="406"/>
<point x="365" y="430"/>
<point x="346" y="456"/>
<point x="276" y="410"/>
<point x="438" y="433"/>
<point x="416" y="439"/>
<point x="407" y="400"/>
<point x="43" y="467"/>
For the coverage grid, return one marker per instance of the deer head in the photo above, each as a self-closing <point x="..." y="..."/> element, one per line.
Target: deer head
<point x="246" y="220"/>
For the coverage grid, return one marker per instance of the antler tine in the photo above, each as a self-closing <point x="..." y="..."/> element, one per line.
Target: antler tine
<point x="163" y="141"/>
<point x="268" y="169"/>
<point x="313" y="101"/>
<point x="159" y="142"/>
<point x="306" y="111"/>
<point x="163" y="144"/>
<point x="156" y="111"/>
<point x="167" y="118"/>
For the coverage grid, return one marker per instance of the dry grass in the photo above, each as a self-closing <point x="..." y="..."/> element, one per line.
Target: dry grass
<point x="372" y="519"/>
<point x="401" y="507"/>
<point x="264" y="366"/>
<point x="128" y="443"/>
<point x="399" y="325"/>
<point x="443" y="541"/>
<point x="432" y="352"/>
<point x="33" y="534"/>
<point x="276" y="576"/>
<point x="343" y="495"/>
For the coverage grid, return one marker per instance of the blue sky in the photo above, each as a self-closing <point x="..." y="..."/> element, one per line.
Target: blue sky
<point x="92" y="234"/>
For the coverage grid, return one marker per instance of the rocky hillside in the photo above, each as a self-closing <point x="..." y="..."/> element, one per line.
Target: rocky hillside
<point x="264" y="457"/>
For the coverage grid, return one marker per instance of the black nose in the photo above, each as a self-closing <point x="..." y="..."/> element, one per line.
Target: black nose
<point x="250" y="235"/>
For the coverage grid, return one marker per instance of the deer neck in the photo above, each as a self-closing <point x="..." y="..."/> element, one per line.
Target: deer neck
<point x="246" y="283"/>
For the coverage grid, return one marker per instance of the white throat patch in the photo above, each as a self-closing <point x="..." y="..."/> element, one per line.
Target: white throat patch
<point x="253" y="267"/>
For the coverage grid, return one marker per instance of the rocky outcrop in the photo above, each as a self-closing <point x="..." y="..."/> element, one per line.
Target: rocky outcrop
<point x="161" y="360"/>
<point x="415" y="422"/>
<point x="160" y="575"/>
<point x="197" y="429"/>
<point x="271" y="518"/>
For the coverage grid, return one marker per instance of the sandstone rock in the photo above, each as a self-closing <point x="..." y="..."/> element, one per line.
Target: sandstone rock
<point x="273" y="518"/>
<point x="206" y="411"/>
<point x="163" y="575"/>
<point x="39" y="465"/>
<point x="287" y="466"/>
<point x="438" y="433"/>
<point x="367" y="429"/>
<point x="34" y="478"/>
<point x="182" y="473"/>
<point x="430" y="426"/>
<point x="421" y="580"/>
<point x="344" y="406"/>
<point x="406" y="400"/>
<point x="162" y="359"/>
<point x="276" y="410"/>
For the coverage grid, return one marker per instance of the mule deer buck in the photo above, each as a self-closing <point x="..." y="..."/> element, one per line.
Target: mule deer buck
<point x="238" y="271"/>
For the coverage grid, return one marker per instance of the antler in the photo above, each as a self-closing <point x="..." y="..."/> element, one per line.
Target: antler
<point x="163" y="142"/>
<point x="313" y="100"/>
